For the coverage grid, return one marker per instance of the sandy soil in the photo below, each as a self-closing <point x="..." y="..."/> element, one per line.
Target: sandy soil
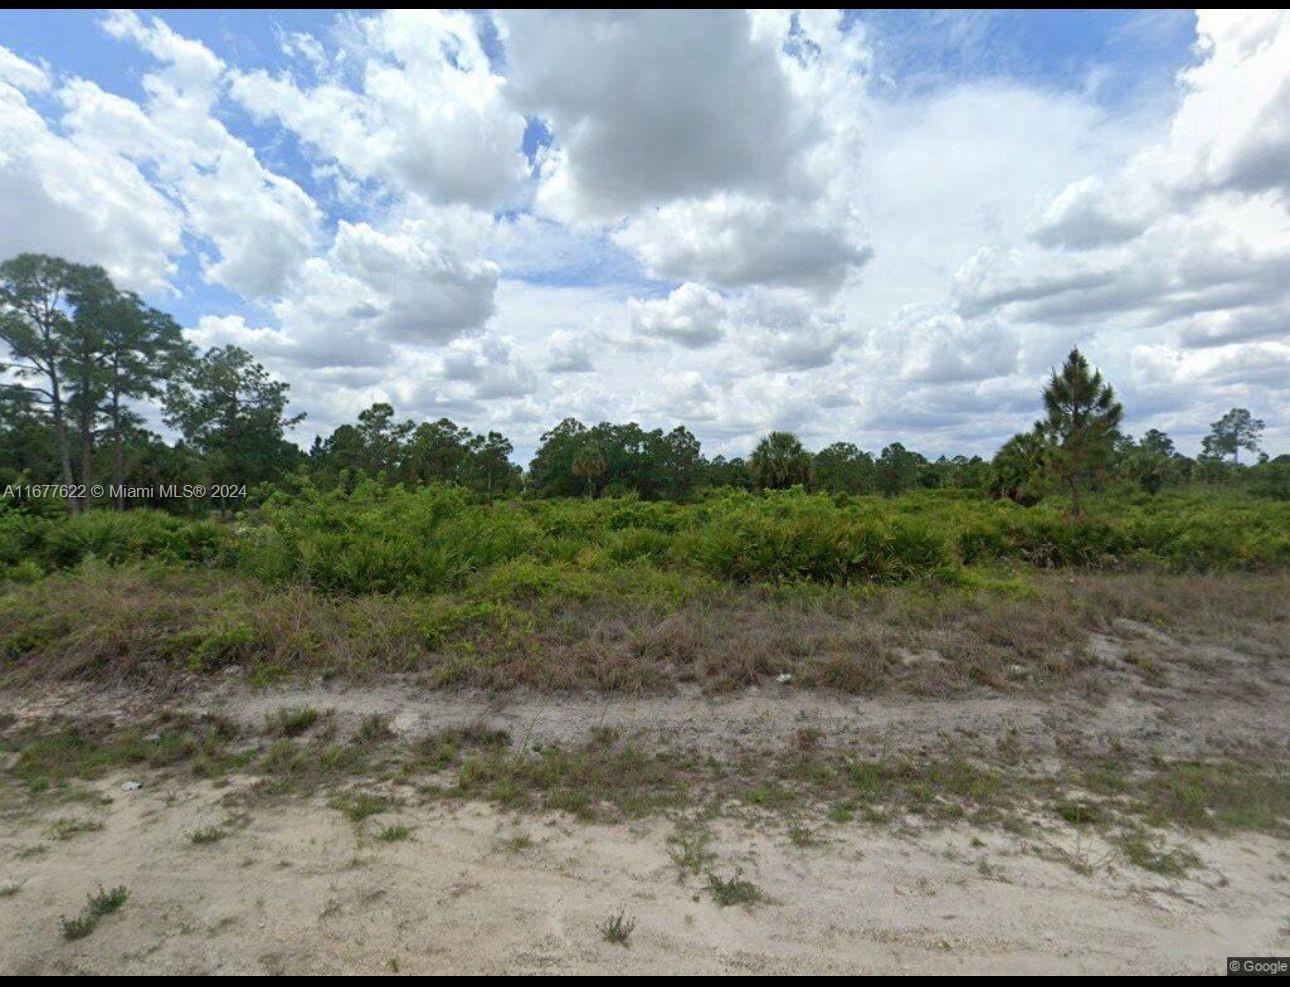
<point x="297" y="888"/>
<point x="1202" y="699"/>
<point x="302" y="890"/>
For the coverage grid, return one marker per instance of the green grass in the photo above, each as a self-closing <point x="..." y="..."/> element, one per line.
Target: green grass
<point x="66" y="829"/>
<point x="608" y="776"/>
<point x="106" y="902"/>
<point x="1153" y="855"/>
<point x="207" y="835"/>
<point x="78" y="926"/>
<point x="287" y="722"/>
<point x="689" y="846"/>
<point x="393" y="833"/>
<point x="734" y="890"/>
<point x="99" y="905"/>
<point x="618" y="928"/>
<point x="50" y="757"/>
<point x="358" y="806"/>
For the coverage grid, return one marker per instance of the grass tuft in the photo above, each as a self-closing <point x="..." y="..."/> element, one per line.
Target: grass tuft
<point x="618" y="928"/>
<point x="207" y="835"/>
<point x="289" y="722"/>
<point x="98" y="905"/>
<point x="393" y="833"/>
<point x="733" y="891"/>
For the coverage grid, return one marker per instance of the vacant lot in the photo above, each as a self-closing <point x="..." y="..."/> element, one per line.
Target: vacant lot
<point x="403" y="731"/>
<point x="1088" y="776"/>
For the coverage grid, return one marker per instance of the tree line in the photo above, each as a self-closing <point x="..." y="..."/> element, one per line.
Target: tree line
<point x="83" y="355"/>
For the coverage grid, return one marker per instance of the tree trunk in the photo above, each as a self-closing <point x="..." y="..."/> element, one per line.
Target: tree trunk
<point x="118" y="452"/>
<point x="87" y="455"/>
<point x="60" y="434"/>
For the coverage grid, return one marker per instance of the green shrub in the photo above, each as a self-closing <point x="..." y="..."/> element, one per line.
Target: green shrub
<point x="436" y="540"/>
<point x="789" y="536"/>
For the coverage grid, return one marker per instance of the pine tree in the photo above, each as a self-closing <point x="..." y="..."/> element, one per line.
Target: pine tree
<point x="1083" y="416"/>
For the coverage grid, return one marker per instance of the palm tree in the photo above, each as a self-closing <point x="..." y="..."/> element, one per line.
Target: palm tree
<point x="589" y="464"/>
<point x="1018" y="467"/>
<point x="780" y="461"/>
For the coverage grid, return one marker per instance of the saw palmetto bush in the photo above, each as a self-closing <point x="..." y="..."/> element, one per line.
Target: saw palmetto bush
<point x="437" y="538"/>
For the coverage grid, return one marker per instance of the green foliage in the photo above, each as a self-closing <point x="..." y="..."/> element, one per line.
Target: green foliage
<point x="1271" y="479"/>
<point x="100" y="904"/>
<point x="793" y="536"/>
<point x="206" y="835"/>
<point x="573" y="459"/>
<point x="779" y="461"/>
<point x="1082" y="418"/>
<point x="230" y="409"/>
<point x="439" y="540"/>
<point x="1017" y="471"/>
<point x="123" y="536"/>
<point x="734" y="890"/>
<point x="618" y="928"/>
<point x="1236" y="430"/>
<point x="844" y="468"/>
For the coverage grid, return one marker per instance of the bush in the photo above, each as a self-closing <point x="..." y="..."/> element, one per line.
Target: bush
<point x="791" y="536"/>
<point x="435" y="540"/>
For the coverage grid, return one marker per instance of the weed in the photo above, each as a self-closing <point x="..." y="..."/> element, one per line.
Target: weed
<point x="393" y="833"/>
<point x="374" y="728"/>
<point x="733" y="891"/>
<point x="618" y="928"/>
<point x="1154" y="856"/>
<point x="842" y="812"/>
<point x="206" y="835"/>
<point x="358" y="806"/>
<point x="288" y="722"/>
<point x="1080" y="813"/>
<point x="106" y="902"/>
<point x="79" y="926"/>
<point x="517" y="843"/>
<point x="802" y="837"/>
<point x="689" y="847"/>
<point x="98" y="905"/>
<point x="65" y="829"/>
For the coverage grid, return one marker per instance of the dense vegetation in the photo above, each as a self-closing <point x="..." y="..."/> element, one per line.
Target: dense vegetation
<point x="391" y="541"/>
<point x="84" y="359"/>
<point x="438" y="539"/>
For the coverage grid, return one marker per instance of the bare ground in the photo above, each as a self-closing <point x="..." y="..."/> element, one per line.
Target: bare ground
<point x="301" y="890"/>
<point x="296" y="887"/>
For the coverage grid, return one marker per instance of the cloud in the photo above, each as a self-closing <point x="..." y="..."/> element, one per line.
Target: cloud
<point x="260" y="224"/>
<point x="792" y="331"/>
<point x="1193" y="230"/>
<point x="947" y="349"/>
<point x="409" y="284"/>
<point x="650" y="106"/>
<point x="567" y="354"/>
<point x="711" y="142"/>
<point x="62" y="196"/>
<point x="426" y="113"/>
<point x="490" y="366"/>
<point x="735" y="241"/>
<point x="1235" y="325"/>
<point x="692" y="315"/>
<point x="1086" y="214"/>
<point x="720" y="218"/>
<point x="22" y="74"/>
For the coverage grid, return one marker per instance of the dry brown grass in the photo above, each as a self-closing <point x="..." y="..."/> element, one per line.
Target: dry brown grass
<point x="164" y="625"/>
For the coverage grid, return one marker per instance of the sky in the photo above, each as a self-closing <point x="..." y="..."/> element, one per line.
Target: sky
<point x="858" y="226"/>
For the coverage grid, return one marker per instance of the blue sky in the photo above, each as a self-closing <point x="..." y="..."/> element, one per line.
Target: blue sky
<point x="868" y="226"/>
